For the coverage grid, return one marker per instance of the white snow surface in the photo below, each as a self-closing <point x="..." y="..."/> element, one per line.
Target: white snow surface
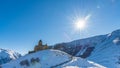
<point x="81" y="63"/>
<point x="52" y="59"/>
<point x="8" y="55"/>
<point x="106" y="50"/>
<point x="107" y="53"/>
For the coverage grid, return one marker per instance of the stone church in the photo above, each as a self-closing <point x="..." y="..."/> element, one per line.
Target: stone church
<point x="39" y="47"/>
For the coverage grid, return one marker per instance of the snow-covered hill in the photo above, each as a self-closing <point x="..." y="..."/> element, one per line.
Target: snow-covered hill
<point x="103" y="49"/>
<point x="50" y="59"/>
<point x="81" y="48"/>
<point x="7" y="56"/>
<point x="107" y="53"/>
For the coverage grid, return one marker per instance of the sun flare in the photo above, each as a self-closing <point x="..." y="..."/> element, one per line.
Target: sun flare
<point x="80" y="24"/>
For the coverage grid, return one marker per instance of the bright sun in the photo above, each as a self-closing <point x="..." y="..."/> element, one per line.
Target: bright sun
<point x="80" y="24"/>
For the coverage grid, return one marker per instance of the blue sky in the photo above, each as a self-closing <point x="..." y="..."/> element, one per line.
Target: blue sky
<point x="24" y="22"/>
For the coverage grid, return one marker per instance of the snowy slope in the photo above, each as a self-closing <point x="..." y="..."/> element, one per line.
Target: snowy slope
<point x="82" y="47"/>
<point x="103" y="49"/>
<point x="108" y="52"/>
<point x="7" y="55"/>
<point x="49" y="59"/>
<point x="79" y="62"/>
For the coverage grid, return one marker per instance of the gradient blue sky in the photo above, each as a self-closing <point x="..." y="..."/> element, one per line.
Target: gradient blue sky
<point x="24" y="22"/>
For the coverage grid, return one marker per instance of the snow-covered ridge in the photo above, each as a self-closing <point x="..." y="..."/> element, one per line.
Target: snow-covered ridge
<point x="8" y="55"/>
<point x="78" y="47"/>
<point x="50" y="59"/>
<point x="103" y="49"/>
<point x="107" y="53"/>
